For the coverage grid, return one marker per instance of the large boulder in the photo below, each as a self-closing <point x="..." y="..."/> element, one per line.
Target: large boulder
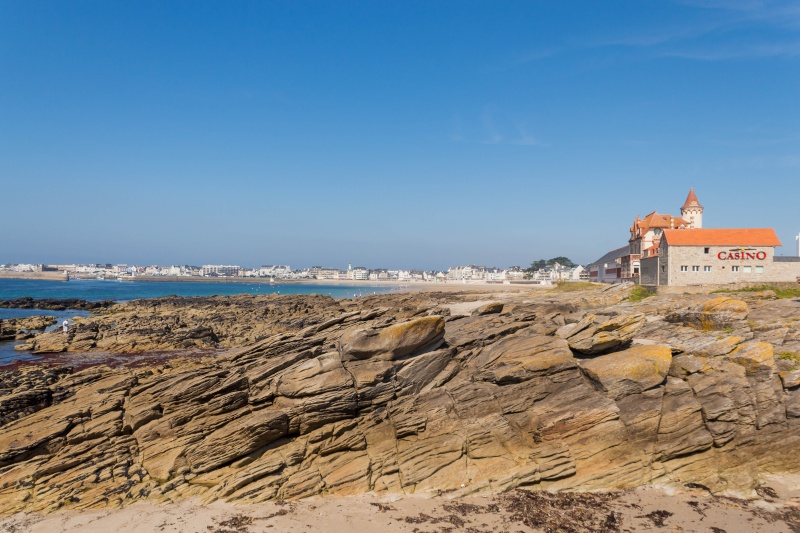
<point x="714" y="314"/>
<point x="631" y="371"/>
<point x="594" y="334"/>
<point x="520" y="357"/>
<point x="393" y="342"/>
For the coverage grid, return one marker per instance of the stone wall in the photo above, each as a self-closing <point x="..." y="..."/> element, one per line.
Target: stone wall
<point x="721" y="270"/>
<point x="56" y="276"/>
<point x="648" y="269"/>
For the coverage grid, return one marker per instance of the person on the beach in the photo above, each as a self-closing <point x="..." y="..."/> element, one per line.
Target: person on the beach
<point x="65" y="327"/>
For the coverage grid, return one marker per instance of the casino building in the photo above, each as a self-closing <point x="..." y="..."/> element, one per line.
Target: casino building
<point x="678" y="251"/>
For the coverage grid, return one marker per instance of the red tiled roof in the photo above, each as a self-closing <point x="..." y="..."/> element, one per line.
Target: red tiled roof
<point x="656" y="220"/>
<point x="691" y="200"/>
<point x="722" y="237"/>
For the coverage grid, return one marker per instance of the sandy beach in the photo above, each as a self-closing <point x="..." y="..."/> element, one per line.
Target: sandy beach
<point x="642" y="509"/>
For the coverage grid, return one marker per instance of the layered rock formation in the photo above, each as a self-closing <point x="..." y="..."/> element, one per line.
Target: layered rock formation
<point x="55" y="304"/>
<point x="412" y="393"/>
<point x="24" y="328"/>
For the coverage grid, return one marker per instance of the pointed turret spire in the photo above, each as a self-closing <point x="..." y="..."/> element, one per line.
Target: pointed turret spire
<point x="692" y="211"/>
<point x="691" y="200"/>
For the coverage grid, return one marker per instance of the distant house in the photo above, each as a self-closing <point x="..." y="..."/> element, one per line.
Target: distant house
<point x="515" y="273"/>
<point x="466" y="273"/>
<point x="608" y="269"/>
<point x="328" y="273"/>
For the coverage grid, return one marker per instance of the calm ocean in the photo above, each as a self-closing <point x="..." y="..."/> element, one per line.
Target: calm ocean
<point x="94" y="289"/>
<point x="121" y="291"/>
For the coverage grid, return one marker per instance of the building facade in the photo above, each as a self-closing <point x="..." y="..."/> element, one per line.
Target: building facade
<point x="608" y="269"/>
<point x="718" y="257"/>
<point x="646" y="233"/>
<point x="220" y="270"/>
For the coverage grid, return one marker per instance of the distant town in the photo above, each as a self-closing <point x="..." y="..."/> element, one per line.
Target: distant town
<point x="541" y="272"/>
<point x="662" y="251"/>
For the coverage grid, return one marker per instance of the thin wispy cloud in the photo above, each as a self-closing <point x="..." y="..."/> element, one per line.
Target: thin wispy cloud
<point x="527" y="57"/>
<point x="528" y="140"/>
<point x="496" y="129"/>
<point x="724" y="30"/>
<point x="788" y="161"/>
<point x="768" y="141"/>
<point x="736" y="51"/>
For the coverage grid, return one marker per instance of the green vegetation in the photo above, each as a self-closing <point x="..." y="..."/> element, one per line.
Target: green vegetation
<point x="549" y="263"/>
<point x="572" y="286"/>
<point x="789" y="356"/>
<point x="779" y="292"/>
<point x="639" y="293"/>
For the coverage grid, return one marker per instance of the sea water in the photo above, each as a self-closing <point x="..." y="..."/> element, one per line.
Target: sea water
<point x="95" y="290"/>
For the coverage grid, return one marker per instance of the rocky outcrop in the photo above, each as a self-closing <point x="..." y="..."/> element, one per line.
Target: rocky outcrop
<point x="55" y="304"/>
<point x="24" y="328"/>
<point x="390" y="394"/>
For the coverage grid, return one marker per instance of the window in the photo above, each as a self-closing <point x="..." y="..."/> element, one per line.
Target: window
<point x="759" y="270"/>
<point x="706" y="269"/>
<point x="747" y="269"/>
<point x="684" y="268"/>
<point x="695" y="268"/>
<point x="734" y="269"/>
<point x="706" y="249"/>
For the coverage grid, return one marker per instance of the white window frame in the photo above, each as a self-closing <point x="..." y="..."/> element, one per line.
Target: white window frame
<point x="735" y="268"/>
<point x="695" y="268"/>
<point x="684" y="268"/>
<point x="707" y="268"/>
<point x="747" y="269"/>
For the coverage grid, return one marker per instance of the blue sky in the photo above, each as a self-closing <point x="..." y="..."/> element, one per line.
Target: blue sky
<point x="406" y="134"/>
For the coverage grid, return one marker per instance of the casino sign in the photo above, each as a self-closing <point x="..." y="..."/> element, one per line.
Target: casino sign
<point x="742" y="254"/>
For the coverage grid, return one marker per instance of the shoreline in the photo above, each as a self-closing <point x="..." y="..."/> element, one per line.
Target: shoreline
<point x="401" y="285"/>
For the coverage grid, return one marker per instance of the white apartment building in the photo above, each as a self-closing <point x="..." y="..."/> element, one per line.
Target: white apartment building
<point x="220" y="270"/>
<point x="358" y="274"/>
<point x="466" y="273"/>
<point x="495" y="274"/>
<point x="327" y="273"/>
<point x="515" y="274"/>
<point x="379" y="274"/>
<point x="274" y="271"/>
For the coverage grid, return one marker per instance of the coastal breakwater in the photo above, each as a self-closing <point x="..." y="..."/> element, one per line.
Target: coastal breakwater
<point x="408" y="393"/>
<point x="51" y="276"/>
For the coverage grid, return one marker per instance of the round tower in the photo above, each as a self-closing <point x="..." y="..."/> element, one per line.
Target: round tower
<point x="692" y="211"/>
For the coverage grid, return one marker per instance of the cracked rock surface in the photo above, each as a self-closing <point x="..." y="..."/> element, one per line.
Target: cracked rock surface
<point x="406" y="393"/>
